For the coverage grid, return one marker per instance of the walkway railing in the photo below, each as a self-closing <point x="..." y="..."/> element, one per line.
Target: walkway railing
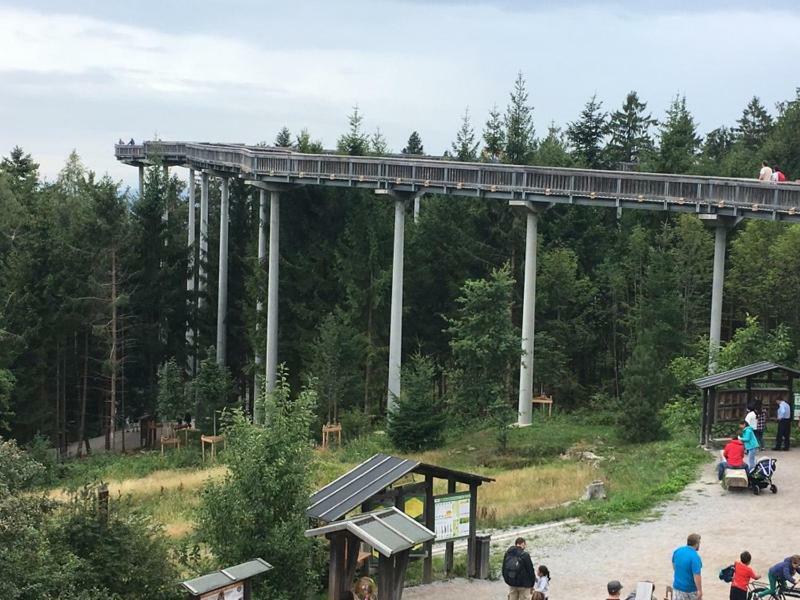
<point x="739" y="197"/>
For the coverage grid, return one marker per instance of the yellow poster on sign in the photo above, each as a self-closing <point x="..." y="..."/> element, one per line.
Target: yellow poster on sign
<point x="451" y="516"/>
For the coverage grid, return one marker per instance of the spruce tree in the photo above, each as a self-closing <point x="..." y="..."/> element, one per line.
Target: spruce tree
<point x="417" y="421"/>
<point x="377" y="143"/>
<point x="718" y="143"/>
<point x="518" y="120"/>
<point x="754" y="124"/>
<point x="494" y="137"/>
<point x="355" y="142"/>
<point x="586" y="135"/>
<point x="414" y="144"/>
<point x="678" y="140"/>
<point x="305" y="145"/>
<point x="629" y="131"/>
<point x="465" y="148"/>
<point x="284" y="138"/>
<point x="552" y="150"/>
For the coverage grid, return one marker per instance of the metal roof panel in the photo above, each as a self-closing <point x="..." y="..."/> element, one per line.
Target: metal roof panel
<point x="740" y="373"/>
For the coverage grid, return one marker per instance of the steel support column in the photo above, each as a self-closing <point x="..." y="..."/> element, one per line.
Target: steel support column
<point x="190" y="281"/>
<point x="262" y="256"/>
<point x="396" y="323"/>
<point x="222" y="291"/>
<point x="272" y="291"/>
<point x="202" y="275"/>
<point x="721" y="226"/>
<point x="141" y="181"/>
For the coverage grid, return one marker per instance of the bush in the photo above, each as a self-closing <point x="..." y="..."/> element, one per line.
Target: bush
<point x="682" y="415"/>
<point x="417" y="420"/>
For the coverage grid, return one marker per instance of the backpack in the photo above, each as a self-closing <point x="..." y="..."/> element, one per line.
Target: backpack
<point x="726" y="574"/>
<point x="512" y="565"/>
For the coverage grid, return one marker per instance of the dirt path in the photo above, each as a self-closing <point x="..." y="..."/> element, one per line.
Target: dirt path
<point x="583" y="558"/>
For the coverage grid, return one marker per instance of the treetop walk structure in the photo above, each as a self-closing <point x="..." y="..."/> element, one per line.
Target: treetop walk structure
<point x="719" y="202"/>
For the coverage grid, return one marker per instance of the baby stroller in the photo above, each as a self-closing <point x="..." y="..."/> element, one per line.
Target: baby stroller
<point x="761" y="476"/>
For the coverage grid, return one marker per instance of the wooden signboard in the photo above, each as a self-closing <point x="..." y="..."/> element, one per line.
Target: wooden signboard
<point x="235" y="591"/>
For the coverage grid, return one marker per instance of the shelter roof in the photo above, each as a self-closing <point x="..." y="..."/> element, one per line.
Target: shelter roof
<point x="388" y="530"/>
<point x="711" y="381"/>
<point x="356" y="486"/>
<point x="218" y="579"/>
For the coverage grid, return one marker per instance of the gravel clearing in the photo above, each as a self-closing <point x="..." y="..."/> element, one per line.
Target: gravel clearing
<point x="583" y="558"/>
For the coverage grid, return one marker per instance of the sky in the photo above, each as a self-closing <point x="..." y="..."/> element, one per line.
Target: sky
<point x="84" y="73"/>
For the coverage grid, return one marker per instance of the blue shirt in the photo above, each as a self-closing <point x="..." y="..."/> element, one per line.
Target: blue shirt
<point x="686" y="563"/>
<point x="783" y="570"/>
<point x="783" y="410"/>
<point x="749" y="438"/>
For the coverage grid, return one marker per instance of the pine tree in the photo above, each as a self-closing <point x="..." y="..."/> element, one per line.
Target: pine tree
<point x="465" y="148"/>
<point x="629" y="131"/>
<point x="417" y="421"/>
<point x="518" y="120"/>
<point x="754" y="124"/>
<point x="494" y="137"/>
<point x="678" y="140"/>
<point x="587" y="133"/>
<point x="414" y="144"/>
<point x="284" y="138"/>
<point x="552" y="150"/>
<point x="718" y="143"/>
<point x="305" y="145"/>
<point x="355" y="142"/>
<point x="377" y="143"/>
<point x="22" y="171"/>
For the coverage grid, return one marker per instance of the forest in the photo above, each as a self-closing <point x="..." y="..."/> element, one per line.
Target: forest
<point x="94" y="304"/>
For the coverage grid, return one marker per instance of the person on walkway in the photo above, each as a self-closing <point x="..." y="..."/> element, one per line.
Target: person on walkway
<point x="518" y="571"/>
<point x="777" y="176"/>
<point x="732" y="457"/>
<point x="742" y="574"/>
<point x="751" y="418"/>
<point x="687" y="583"/>
<point x="784" y="425"/>
<point x="766" y="172"/>
<point x="761" y="423"/>
<point x="782" y="573"/>
<point x="542" y="584"/>
<point x="614" y="588"/>
<point x="748" y="437"/>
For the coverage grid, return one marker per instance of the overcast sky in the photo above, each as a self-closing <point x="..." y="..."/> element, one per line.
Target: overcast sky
<point x="82" y="74"/>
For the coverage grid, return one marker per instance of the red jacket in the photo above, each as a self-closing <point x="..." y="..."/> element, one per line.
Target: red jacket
<point x="734" y="453"/>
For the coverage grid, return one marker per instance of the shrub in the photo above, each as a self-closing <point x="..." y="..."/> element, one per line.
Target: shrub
<point x="417" y="421"/>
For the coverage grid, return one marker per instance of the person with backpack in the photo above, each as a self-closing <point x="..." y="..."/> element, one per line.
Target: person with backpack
<point x="518" y="571"/>
<point x="739" y="576"/>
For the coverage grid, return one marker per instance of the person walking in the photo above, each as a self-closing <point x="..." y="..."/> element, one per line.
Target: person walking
<point x="765" y="174"/>
<point x="687" y="583"/>
<point x="518" y="571"/>
<point x="784" y="425"/>
<point x="781" y="573"/>
<point x="761" y="422"/>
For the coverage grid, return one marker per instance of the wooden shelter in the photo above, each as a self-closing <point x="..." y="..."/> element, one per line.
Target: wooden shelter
<point x="233" y="583"/>
<point x="371" y="485"/>
<point x="764" y="380"/>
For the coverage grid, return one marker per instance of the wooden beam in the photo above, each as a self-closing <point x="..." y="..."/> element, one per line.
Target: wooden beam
<point x="449" y="546"/>
<point x="385" y="572"/>
<point x="336" y="567"/>
<point x="399" y="577"/>
<point x="351" y="560"/>
<point x="427" y="566"/>
<point x="472" y="546"/>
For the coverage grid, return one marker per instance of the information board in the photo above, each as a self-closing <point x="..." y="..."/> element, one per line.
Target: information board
<point x="232" y="592"/>
<point x="451" y="516"/>
<point x="797" y="406"/>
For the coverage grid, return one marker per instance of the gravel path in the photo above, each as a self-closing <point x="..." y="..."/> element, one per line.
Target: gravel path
<point x="583" y="558"/>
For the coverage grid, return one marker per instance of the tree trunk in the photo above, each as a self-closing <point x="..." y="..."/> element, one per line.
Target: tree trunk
<point x="112" y="359"/>
<point x="122" y="388"/>
<point x="57" y="436"/>
<point x="368" y="362"/>
<point x="82" y="423"/>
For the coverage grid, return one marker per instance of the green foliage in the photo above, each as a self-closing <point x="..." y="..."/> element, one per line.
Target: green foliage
<point x="552" y="150"/>
<point x="520" y="142"/>
<point x="678" y="140"/>
<point x="377" y="143"/>
<point x="284" y="138"/>
<point x="259" y="509"/>
<point x="754" y="124"/>
<point x="586" y="135"/>
<point x="752" y="343"/>
<point x="355" y="142"/>
<point x="682" y="415"/>
<point x="494" y="137"/>
<point x="629" y="131"/>
<point x="417" y="421"/>
<point x="782" y="145"/>
<point x="465" y="147"/>
<point x="6" y="385"/>
<point x="414" y="144"/>
<point x="172" y="401"/>
<point x="484" y="343"/>
<point x="501" y="416"/>
<point x="210" y="390"/>
<point x="305" y="145"/>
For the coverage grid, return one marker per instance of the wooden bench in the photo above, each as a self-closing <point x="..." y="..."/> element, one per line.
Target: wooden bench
<point x="174" y="442"/>
<point x="544" y="401"/>
<point x="327" y="430"/>
<point x="213" y="440"/>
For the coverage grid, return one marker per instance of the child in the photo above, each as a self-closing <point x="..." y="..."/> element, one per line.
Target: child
<point x="742" y="574"/>
<point x="781" y="573"/>
<point x="542" y="585"/>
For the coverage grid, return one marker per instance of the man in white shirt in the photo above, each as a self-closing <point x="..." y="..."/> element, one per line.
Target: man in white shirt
<point x="766" y="172"/>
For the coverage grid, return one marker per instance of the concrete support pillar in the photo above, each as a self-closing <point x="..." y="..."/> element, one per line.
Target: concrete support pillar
<point x="202" y="275"/>
<point x="141" y="180"/>
<point x="528" y="321"/>
<point x="222" y="292"/>
<point x="262" y="256"/>
<point x="720" y="239"/>
<point x="417" y="203"/>
<point x="396" y="323"/>
<point x="272" y="290"/>
<point x="190" y="280"/>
